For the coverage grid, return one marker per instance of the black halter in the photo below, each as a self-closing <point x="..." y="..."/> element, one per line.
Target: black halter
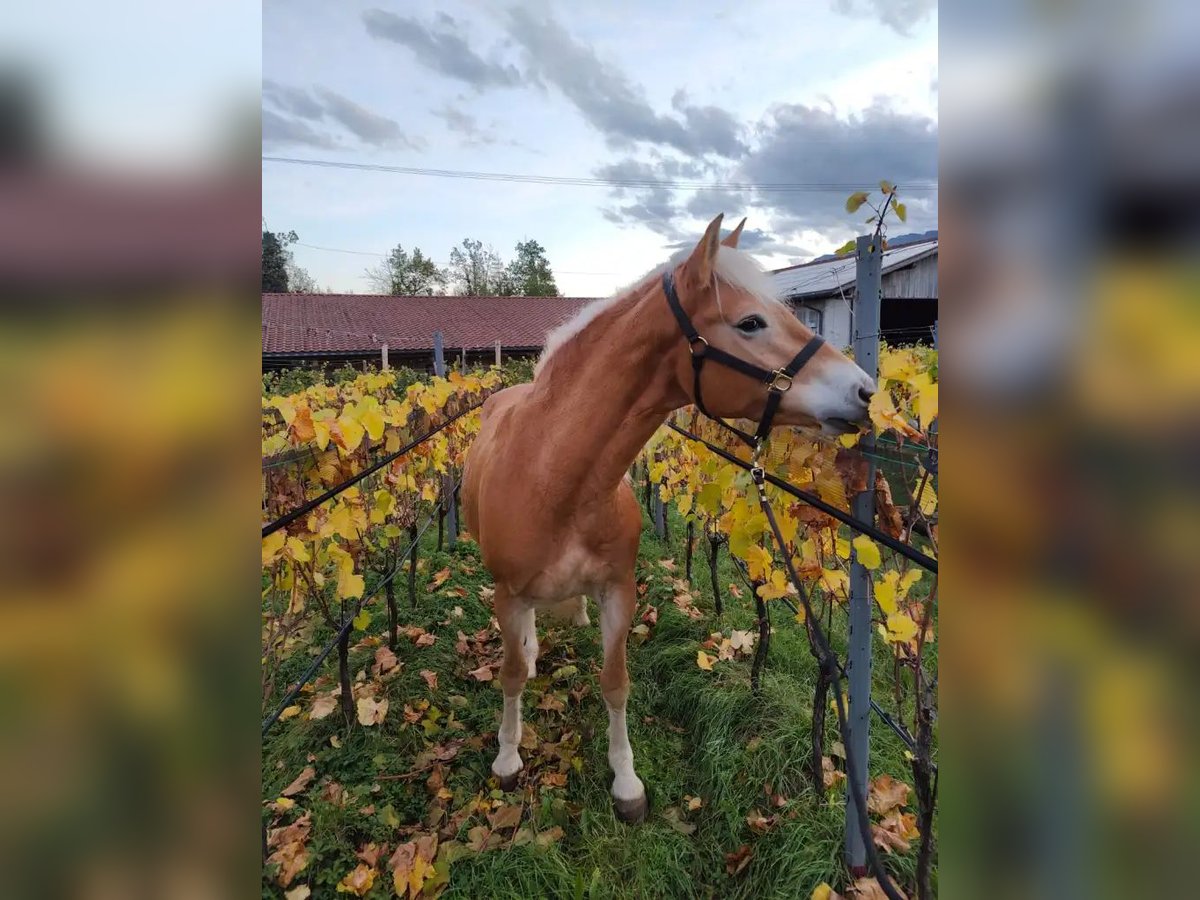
<point x="777" y="381"/>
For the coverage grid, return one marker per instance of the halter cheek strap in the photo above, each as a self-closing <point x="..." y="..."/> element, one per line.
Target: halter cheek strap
<point x="778" y="381"/>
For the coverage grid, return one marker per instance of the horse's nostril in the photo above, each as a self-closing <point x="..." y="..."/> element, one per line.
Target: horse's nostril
<point x="865" y="394"/>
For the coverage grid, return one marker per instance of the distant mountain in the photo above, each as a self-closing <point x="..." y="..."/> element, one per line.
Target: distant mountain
<point x="892" y="243"/>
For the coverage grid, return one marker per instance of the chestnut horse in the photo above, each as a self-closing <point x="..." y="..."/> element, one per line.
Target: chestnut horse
<point x="545" y="491"/>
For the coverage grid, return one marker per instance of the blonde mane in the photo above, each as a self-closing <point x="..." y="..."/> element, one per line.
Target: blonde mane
<point x="735" y="268"/>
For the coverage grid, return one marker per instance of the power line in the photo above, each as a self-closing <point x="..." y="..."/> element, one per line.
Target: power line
<point x="796" y="187"/>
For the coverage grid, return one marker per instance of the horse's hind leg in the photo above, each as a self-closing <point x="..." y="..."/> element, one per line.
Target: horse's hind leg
<point x="516" y="622"/>
<point x="617" y="604"/>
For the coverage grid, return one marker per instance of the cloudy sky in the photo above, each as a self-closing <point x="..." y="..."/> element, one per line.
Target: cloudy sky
<point x="813" y="96"/>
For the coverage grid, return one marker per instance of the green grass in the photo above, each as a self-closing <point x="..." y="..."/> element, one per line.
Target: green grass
<point x="693" y="733"/>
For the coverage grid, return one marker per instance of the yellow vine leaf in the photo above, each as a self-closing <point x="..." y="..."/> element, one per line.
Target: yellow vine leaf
<point x="351" y="433"/>
<point x="901" y="629"/>
<point x="866" y="552"/>
<point x="836" y="581"/>
<point x="885" y="592"/>
<point x="855" y="200"/>
<point x="775" y="587"/>
<point x="321" y="434"/>
<point x="372" y="421"/>
<point x="704" y="661"/>
<point x="286" y="408"/>
<point x="928" y="501"/>
<point x="297" y="549"/>
<point x="758" y="561"/>
<point x="271" y="545"/>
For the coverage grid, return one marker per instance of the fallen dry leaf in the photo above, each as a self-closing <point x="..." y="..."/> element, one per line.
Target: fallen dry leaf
<point x="291" y="857"/>
<point x="439" y="578"/>
<point x="359" y="881"/>
<point x="323" y="706"/>
<point x="370" y="853"/>
<point x="675" y="818"/>
<point x="738" y="860"/>
<point x="830" y="775"/>
<point x="869" y="889"/>
<point x="886" y="794"/>
<point x="758" y="822"/>
<point x="483" y="673"/>
<point x="372" y="712"/>
<point x="430" y="678"/>
<point x="300" y="783"/>
<point x="506" y="816"/>
<point x="426" y="640"/>
<point x="385" y="661"/>
<point x="299" y="892"/>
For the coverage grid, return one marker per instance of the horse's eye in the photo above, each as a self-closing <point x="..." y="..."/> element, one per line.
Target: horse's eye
<point x="751" y="324"/>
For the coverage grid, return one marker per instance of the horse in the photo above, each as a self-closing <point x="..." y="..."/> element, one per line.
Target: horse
<point x="546" y="491"/>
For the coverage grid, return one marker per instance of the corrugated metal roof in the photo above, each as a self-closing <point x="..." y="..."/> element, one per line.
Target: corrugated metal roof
<point x="826" y="277"/>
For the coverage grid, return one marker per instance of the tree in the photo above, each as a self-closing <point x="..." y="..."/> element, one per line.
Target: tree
<point x="478" y="272"/>
<point x="299" y="281"/>
<point x="530" y="272"/>
<point x="275" y="259"/>
<point x="405" y="275"/>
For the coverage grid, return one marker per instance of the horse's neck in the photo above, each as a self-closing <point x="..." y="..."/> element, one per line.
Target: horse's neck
<point x="607" y="390"/>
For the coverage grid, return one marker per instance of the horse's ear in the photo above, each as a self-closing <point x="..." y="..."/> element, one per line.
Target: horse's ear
<point x="731" y="239"/>
<point x="699" y="266"/>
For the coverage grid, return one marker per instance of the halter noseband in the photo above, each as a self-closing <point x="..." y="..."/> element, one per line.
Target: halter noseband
<point x="778" y="381"/>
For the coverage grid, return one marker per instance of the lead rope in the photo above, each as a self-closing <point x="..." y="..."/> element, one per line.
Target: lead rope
<point x="829" y="666"/>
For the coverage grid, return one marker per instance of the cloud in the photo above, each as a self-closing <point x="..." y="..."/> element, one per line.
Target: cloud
<point x="368" y="127"/>
<point x="900" y="15"/>
<point x="466" y="125"/>
<point x="322" y="105"/>
<point x="813" y="146"/>
<point x="296" y="101"/>
<point x="609" y="101"/>
<point x="443" y="50"/>
<point x="798" y="145"/>
<point x="277" y="129"/>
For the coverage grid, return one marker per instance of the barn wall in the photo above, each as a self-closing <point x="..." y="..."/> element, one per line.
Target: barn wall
<point x="916" y="282"/>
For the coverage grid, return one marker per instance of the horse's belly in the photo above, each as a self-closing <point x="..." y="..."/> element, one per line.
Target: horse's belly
<point x="577" y="571"/>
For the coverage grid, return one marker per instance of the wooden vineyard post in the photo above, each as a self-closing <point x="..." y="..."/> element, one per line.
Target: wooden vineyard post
<point x="393" y="617"/>
<point x="868" y="288"/>
<point x="714" y="547"/>
<point x="691" y="538"/>
<point x="446" y="501"/>
<point x="764" y="641"/>
<point x="412" y="565"/>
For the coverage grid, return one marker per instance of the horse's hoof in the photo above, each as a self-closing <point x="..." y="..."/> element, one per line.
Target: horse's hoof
<point x="631" y="812"/>
<point x="509" y="782"/>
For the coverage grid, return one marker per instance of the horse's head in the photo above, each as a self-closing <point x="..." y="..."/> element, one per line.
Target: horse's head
<point x="733" y="306"/>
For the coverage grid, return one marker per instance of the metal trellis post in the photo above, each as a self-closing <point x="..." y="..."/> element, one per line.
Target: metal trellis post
<point x="867" y="293"/>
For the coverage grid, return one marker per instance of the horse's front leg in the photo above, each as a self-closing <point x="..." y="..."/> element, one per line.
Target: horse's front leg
<point x="516" y="624"/>
<point x="617" y="603"/>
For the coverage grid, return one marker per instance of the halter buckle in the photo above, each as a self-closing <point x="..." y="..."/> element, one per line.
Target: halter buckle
<point x="781" y="381"/>
<point x="698" y="339"/>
